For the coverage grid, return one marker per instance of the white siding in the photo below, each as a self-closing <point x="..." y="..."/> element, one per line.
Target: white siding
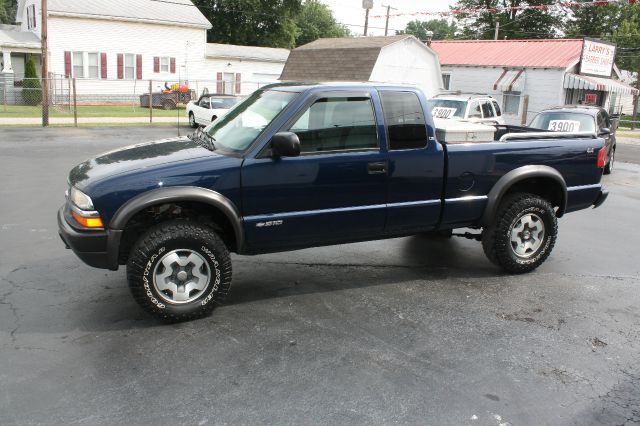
<point x="544" y="86"/>
<point x="408" y="61"/>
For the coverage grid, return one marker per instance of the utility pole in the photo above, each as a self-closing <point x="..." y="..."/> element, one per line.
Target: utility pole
<point x="386" y="25"/>
<point x="366" y="22"/>
<point x="495" y="34"/>
<point x="366" y="4"/>
<point x="45" y="65"/>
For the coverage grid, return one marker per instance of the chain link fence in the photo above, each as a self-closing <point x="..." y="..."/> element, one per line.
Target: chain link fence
<point x="74" y="102"/>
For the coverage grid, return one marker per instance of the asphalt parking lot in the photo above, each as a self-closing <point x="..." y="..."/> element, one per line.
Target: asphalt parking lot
<point x="409" y="331"/>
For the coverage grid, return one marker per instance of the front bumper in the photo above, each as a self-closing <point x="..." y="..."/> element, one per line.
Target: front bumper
<point x="95" y="248"/>
<point x="602" y="197"/>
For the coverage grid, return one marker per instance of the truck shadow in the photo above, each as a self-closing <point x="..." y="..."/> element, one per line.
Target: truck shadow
<point x="415" y="258"/>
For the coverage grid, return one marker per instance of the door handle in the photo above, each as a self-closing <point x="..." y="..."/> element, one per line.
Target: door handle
<point x="377" y="168"/>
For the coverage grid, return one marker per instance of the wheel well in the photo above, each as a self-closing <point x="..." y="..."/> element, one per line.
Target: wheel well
<point x="546" y="188"/>
<point x="201" y="213"/>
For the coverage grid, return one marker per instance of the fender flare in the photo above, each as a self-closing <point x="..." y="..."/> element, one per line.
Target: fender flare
<point x="517" y="175"/>
<point x="180" y="193"/>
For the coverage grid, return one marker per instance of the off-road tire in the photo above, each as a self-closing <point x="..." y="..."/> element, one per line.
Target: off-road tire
<point x="496" y="238"/>
<point x="192" y="121"/>
<point x="162" y="239"/>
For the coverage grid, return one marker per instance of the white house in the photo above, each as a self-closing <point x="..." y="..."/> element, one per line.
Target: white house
<point x="527" y="76"/>
<point x="393" y="59"/>
<point x="114" y="48"/>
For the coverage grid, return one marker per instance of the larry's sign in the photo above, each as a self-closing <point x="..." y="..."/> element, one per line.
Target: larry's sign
<point x="597" y="58"/>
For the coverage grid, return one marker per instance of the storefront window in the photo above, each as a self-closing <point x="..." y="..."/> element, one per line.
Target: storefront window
<point x="511" y="103"/>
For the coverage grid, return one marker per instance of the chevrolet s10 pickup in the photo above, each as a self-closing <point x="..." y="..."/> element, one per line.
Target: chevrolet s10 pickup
<point x="299" y="165"/>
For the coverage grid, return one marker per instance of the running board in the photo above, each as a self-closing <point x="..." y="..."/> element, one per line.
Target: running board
<point x="469" y="236"/>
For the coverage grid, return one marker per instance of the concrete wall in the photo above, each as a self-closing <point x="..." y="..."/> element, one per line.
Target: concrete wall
<point x="409" y="61"/>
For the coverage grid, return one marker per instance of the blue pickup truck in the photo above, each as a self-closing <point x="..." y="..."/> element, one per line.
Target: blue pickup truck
<point x="303" y="165"/>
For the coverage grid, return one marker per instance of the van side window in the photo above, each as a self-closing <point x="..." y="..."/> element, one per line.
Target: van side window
<point x="497" y="108"/>
<point x="474" y="110"/>
<point x="487" y="112"/>
<point x="334" y="124"/>
<point x="404" y="119"/>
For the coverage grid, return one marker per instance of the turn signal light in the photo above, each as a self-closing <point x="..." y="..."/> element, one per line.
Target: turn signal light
<point x="602" y="157"/>
<point x="88" y="222"/>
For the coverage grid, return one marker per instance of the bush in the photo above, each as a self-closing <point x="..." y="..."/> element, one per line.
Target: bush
<point x="31" y="87"/>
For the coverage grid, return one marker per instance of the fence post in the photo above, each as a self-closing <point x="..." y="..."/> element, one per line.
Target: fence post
<point x="75" y="104"/>
<point x="150" y="101"/>
<point x="525" y="110"/>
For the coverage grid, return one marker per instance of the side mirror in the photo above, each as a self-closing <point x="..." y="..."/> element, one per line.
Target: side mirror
<point x="285" y="144"/>
<point x="604" y="131"/>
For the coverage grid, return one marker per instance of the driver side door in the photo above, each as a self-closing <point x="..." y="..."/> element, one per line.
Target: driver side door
<point x="335" y="191"/>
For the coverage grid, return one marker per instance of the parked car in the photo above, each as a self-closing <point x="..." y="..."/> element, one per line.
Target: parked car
<point x="470" y="107"/>
<point x="208" y="108"/>
<point x="581" y="118"/>
<point x="166" y="100"/>
<point x="296" y="166"/>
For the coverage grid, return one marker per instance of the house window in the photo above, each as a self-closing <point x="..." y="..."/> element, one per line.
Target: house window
<point x="94" y="67"/>
<point x="164" y="64"/>
<point x="129" y="66"/>
<point x="78" y="64"/>
<point x="446" y="81"/>
<point x="31" y="17"/>
<point x="511" y="102"/>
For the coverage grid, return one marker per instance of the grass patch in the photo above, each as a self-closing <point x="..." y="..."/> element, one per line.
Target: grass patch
<point x="15" y="111"/>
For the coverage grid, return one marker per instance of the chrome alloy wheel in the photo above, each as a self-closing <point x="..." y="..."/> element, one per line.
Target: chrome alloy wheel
<point x="527" y="235"/>
<point x="181" y="276"/>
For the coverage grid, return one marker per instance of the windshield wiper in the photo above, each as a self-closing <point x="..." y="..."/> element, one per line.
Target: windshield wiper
<point x="203" y="139"/>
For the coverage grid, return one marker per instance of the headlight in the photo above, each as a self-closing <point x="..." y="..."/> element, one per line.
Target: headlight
<point x="80" y="199"/>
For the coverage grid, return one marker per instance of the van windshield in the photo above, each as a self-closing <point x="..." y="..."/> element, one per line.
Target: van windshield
<point x="447" y="108"/>
<point x="239" y="127"/>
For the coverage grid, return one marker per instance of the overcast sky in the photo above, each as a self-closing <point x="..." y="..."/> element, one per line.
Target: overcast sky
<point x="351" y="12"/>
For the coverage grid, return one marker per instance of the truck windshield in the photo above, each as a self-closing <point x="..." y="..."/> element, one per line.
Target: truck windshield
<point x="447" y="108"/>
<point x="239" y="127"/>
<point x="562" y="121"/>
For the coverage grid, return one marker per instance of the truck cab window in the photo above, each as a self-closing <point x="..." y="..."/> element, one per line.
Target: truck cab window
<point x="404" y="118"/>
<point x="497" y="108"/>
<point x="337" y="123"/>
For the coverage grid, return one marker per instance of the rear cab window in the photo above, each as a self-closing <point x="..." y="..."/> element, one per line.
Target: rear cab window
<point x="404" y="120"/>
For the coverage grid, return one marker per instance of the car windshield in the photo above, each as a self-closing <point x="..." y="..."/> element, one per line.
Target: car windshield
<point x="447" y="108"/>
<point x="223" y="103"/>
<point x="563" y="121"/>
<point x="239" y="127"/>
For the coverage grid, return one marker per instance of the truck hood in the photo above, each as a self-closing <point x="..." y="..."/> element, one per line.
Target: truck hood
<point x="136" y="158"/>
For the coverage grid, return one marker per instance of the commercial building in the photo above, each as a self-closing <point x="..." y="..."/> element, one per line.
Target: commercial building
<point x="527" y="76"/>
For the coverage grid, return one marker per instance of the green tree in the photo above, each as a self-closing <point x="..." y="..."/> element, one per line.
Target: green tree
<point x="442" y="30"/>
<point x="31" y="87"/>
<point x="4" y="16"/>
<point x="593" y="21"/>
<point x="8" y="11"/>
<point x="514" y="23"/>
<point x="316" y="21"/>
<point x="269" y="23"/>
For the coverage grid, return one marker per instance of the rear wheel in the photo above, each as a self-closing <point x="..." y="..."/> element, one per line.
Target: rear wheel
<point x="168" y="105"/>
<point x="523" y="234"/>
<point x="192" y="121"/>
<point x="609" y="167"/>
<point x="179" y="271"/>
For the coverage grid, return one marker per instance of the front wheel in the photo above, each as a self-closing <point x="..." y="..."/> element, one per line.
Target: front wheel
<point x="523" y="234"/>
<point x="178" y="271"/>
<point x="192" y="121"/>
